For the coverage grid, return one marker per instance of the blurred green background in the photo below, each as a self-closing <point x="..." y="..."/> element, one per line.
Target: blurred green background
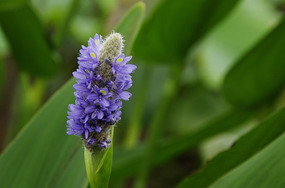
<point x="208" y="93"/>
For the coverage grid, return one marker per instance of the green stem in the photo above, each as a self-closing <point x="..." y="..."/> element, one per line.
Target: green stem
<point x="99" y="165"/>
<point x="156" y="127"/>
<point x="134" y="127"/>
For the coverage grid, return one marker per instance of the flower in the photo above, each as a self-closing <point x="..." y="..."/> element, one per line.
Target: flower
<point x="102" y="78"/>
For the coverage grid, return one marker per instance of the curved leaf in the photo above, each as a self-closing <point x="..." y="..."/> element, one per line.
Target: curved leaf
<point x="43" y="155"/>
<point x="25" y="35"/>
<point x="266" y="169"/>
<point x="260" y="73"/>
<point x="131" y="23"/>
<point x="174" y="26"/>
<point x="247" y="146"/>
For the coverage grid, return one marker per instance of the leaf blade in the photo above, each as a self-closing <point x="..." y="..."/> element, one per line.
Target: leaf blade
<point x="175" y="26"/>
<point x="45" y="149"/>
<point x="244" y="148"/>
<point x="258" y="75"/>
<point x="253" y="173"/>
<point x="131" y="23"/>
<point x="29" y="45"/>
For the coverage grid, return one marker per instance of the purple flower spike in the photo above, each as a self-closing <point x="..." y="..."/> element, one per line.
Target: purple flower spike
<point x="102" y="78"/>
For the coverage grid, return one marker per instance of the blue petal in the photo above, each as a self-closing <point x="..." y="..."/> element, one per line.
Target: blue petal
<point x="89" y="109"/>
<point x="97" y="129"/>
<point x="125" y="95"/>
<point x="126" y="69"/>
<point x="100" y="115"/>
<point x="104" y="102"/>
<point x="78" y="75"/>
<point x="86" y="134"/>
<point x="80" y="87"/>
<point x="92" y="97"/>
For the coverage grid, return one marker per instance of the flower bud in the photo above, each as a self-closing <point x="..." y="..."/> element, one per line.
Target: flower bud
<point x="111" y="48"/>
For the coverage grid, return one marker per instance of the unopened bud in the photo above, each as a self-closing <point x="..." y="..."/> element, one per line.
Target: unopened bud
<point x="111" y="48"/>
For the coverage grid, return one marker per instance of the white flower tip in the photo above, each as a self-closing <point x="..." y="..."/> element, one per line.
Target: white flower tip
<point x="111" y="47"/>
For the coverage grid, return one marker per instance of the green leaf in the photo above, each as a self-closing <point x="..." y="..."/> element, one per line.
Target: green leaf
<point x="99" y="165"/>
<point x="246" y="147"/>
<point x="25" y="35"/>
<point x="259" y="74"/>
<point x="232" y="39"/>
<point x="265" y="169"/>
<point x="131" y="23"/>
<point x="126" y="162"/>
<point x="43" y="155"/>
<point x="174" y="27"/>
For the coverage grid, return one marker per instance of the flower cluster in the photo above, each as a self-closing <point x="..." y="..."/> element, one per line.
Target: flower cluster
<point x="102" y="78"/>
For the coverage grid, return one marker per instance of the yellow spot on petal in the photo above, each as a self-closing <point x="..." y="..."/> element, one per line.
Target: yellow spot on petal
<point x="97" y="42"/>
<point x="119" y="60"/>
<point x="103" y="92"/>
<point x="92" y="55"/>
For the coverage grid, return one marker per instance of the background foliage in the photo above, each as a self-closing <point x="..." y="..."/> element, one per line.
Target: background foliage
<point x="208" y="97"/>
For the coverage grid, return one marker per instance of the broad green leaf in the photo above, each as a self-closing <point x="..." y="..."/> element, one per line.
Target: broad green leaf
<point x="26" y="37"/>
<point x="126" y="162"/>
<point x="265" y="169"/>
<point x="99" y="165"/>
<point x="174" y="27"/>
<point x="131" y="23"/>
<point x="259" y="74"/>
<point x="233" y="38"/>
<point x="42" y="152"/>
<point x="246" y="147"/>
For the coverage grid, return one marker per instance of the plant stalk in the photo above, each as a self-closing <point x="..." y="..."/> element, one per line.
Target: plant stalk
<point x="99" y="165"/>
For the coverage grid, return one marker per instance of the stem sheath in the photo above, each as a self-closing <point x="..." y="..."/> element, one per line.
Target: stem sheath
<point x="99" y="165"/>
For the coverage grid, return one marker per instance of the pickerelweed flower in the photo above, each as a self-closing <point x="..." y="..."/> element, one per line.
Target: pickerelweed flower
<point x="102" y="78"/>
